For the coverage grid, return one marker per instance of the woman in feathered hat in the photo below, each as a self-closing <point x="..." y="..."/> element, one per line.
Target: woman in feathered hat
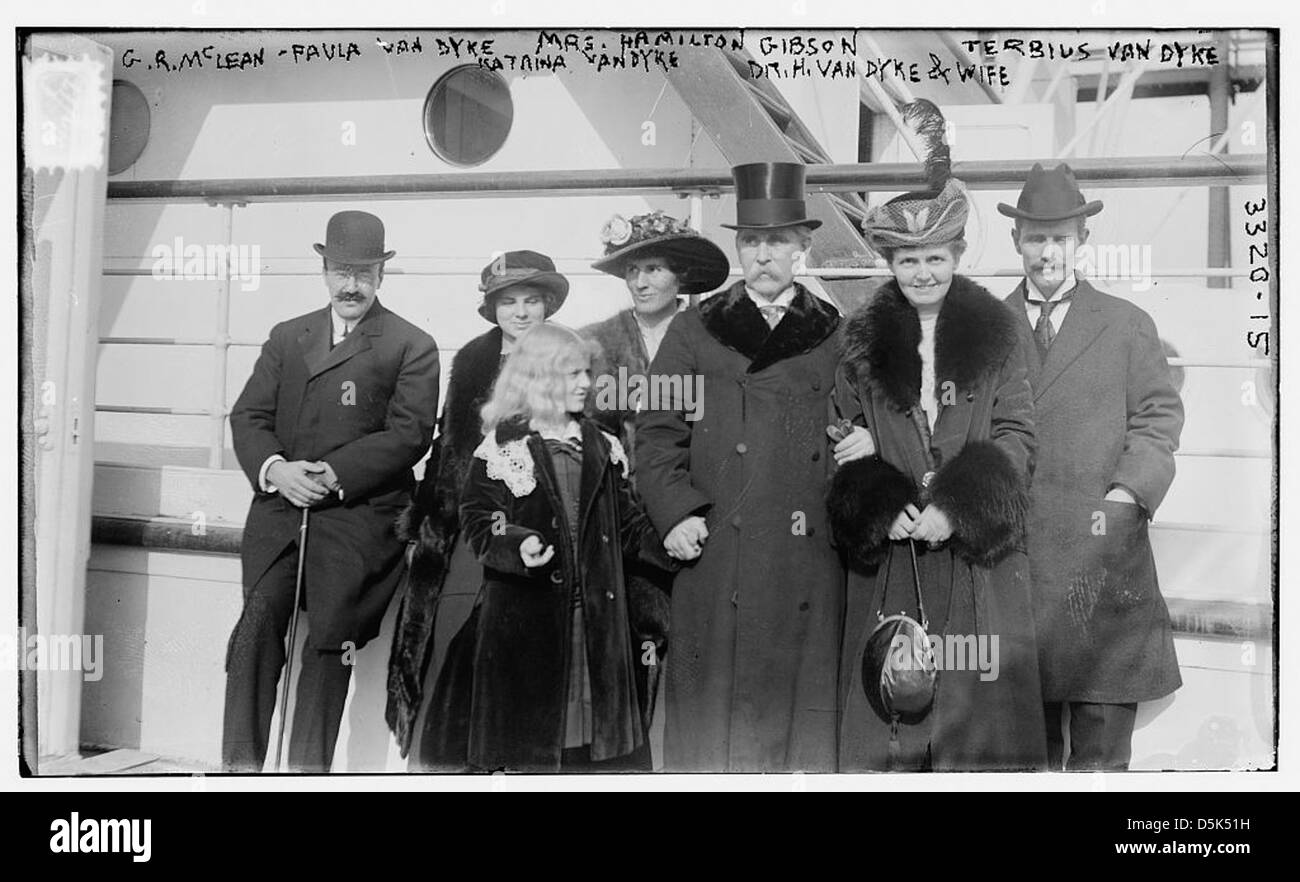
<point x="932" y="368"/>
<point x="521" y="289"/>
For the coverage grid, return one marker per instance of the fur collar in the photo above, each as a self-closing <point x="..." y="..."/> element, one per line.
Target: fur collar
<point x="620" y="342"/>
<point x="473" y="371"/>
<point x="733" y="320"/>
<point x="974" y="335"/>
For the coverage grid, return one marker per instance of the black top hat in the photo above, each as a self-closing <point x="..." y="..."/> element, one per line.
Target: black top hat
<point x="770" y="195"/>
<point x="705" y="267"/>
<point x="354" y="237"/>
<point x="1050" y="196"/>
<point x="522" y="268"/>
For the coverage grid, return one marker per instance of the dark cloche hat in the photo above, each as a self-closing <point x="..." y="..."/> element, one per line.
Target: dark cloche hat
<point x="355" y="237"/>
<point x="770" y="195"/>
<point x="521" y="268"/>
<point x="1050" y="196"/>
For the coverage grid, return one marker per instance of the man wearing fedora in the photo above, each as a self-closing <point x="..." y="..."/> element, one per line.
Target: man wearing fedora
<point x="1107" y="418"/>
<point x="340" y="406"/>
<point x="757" y="618"/>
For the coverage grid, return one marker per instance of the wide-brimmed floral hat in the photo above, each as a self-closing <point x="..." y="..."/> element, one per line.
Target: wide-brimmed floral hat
<point x="656" y="234"/>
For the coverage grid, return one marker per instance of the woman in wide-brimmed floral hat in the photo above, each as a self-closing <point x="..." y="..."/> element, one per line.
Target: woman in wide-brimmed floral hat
<point x="661" y="260"/>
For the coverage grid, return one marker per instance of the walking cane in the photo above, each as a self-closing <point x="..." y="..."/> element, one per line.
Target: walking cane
<point x="292" y="638"/>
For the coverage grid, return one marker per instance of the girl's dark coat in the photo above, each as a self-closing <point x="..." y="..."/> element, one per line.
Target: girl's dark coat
<point x="520" y="662"/>
<point x="983" y="449"/>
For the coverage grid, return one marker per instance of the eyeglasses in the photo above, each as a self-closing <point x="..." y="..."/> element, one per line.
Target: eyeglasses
<point x="366" y="275"/>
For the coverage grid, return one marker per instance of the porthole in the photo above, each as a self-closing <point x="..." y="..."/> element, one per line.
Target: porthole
<point x="467" y="115"/>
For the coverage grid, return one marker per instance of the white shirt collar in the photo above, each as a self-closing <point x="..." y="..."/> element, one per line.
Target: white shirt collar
<point x="1036" y="295"/>
<point x="663" y="325"/>
<point x="572" y="432"/>
<point x="785" y="298"/>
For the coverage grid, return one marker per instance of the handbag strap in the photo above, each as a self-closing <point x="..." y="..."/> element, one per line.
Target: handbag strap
<point x="916" y="586"/>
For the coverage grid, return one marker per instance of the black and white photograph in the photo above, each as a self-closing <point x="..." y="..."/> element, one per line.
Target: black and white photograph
<point x="829" y="401"/>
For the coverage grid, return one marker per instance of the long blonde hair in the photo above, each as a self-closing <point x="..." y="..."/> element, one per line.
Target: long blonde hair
<point x="534" y="380"/>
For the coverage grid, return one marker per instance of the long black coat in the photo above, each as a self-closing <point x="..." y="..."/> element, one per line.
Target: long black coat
<point x="432" y="612"/>
<point x="521" y="657"/>
<point x="648" y="587"/>
<point x="756" y="620"/>
<point x="977" y="586"/>
<point x="1107" y="414"/>
<point x="366" y="407"/>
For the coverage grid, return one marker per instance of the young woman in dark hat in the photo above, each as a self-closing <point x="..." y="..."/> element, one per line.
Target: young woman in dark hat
<point x="660" y="259"/>
<point x="521" y="289"/>
<point x="931" y="366"/>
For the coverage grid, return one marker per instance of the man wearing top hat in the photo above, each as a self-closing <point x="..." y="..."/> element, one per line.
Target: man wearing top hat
<point x="340" y="406"/>
<point x="756" y="618"/>
<point x="1107" y="419"/>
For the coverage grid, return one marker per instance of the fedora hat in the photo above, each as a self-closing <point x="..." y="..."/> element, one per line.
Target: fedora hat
<point x="770" y="195"/>
<point x="657" y="235"/>
<point x="521" y="268"/>
<point x="355" y="237"/>
<point x="1050" y="196"/>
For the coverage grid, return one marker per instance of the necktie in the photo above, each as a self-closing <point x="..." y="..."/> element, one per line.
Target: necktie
<point x="1044" y="332"/>
<point x="773" y="314"/>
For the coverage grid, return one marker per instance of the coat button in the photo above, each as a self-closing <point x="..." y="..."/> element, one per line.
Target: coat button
<point x="735" y="522"/>
<point x="555" y="523"/>
<point x="741" y="448"/>
<point x="557" y="577"/>
<point x="970" y="396"/>
<point x="604" y="537"/>
<point x="817" y="386"/>
<point x="609" y="595"/>
<point x="817" y="454"/>
<point x="812" y="531"/>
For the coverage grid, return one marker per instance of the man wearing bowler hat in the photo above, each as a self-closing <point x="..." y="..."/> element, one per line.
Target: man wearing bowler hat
<point x="340" y="406"/>
<point x="1107" y="419"/>
<point x="756" y="618"/>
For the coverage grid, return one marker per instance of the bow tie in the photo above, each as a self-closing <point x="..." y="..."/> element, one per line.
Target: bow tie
<point x="773" y="314"/>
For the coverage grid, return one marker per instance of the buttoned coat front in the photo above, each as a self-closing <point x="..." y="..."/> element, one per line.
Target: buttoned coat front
<point x="1107" y="415"/>
<point x="367" y="407"/>
<point x="756" y="619"/>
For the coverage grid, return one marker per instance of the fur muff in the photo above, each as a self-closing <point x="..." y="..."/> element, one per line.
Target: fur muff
<point x="431" y="521"/>
<point x="864" y="498"/>
<point x="987" y="502"/>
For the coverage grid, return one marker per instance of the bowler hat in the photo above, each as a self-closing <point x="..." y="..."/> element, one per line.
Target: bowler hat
<point x="1050" y="196"/>
<point x="770" y="195"/>
<point x="657" y="235"/>
<point x="355" y="237"/>
<point x="521" y="268"/>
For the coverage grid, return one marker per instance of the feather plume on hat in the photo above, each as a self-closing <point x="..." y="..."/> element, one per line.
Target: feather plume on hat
<point x="922" y="218"/>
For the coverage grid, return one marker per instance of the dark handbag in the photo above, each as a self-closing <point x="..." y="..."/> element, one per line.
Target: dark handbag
<point x="899" y="674"/>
